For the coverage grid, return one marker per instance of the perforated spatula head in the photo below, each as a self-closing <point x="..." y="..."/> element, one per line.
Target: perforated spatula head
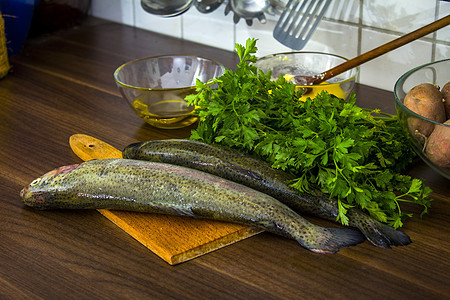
<point x="298" y="22"/>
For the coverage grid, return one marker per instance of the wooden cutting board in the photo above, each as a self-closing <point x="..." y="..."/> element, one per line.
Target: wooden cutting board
<point x="175" y="239"/>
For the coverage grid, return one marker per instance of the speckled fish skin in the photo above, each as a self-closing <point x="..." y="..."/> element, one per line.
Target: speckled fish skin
<point x="142" y="186"/>
<point x="254" y="173"/>
<point x="228" y="164"/>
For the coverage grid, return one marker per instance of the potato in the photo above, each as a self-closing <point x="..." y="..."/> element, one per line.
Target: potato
<point x="438" y="146"/>
<point x="426" y="100"/>
<point x="445" y="91"/>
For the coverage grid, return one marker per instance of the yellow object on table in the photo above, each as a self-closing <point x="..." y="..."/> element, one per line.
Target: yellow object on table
<point x="4" y="62"/>
<point x="313" y="90"/>
<point x="331" y="88"/>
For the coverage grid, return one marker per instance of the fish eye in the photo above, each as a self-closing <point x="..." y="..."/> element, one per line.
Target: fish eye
<point x="36" y="181"/>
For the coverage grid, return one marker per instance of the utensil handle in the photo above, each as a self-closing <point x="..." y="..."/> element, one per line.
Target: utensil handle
<point x="382" y="49"/>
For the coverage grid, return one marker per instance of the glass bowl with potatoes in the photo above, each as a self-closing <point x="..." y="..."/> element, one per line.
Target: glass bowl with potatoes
<point x="422" y="101"/>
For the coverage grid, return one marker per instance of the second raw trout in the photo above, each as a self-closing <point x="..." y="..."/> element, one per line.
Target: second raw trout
<point x="238" y="167"/>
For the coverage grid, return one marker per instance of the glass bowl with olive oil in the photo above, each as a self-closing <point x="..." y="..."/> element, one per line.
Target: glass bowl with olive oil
<point x="155" y="87"/>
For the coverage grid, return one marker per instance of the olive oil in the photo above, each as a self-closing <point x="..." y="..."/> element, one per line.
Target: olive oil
<point x="312" y="90"/>
<point x="167" y="114"/>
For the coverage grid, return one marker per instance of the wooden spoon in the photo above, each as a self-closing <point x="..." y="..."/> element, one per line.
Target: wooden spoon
<point x="365" y="57"/>
<point x="87" y="147"/>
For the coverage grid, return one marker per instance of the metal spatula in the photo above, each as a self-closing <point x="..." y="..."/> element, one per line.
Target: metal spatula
<point x="299" y="21"/>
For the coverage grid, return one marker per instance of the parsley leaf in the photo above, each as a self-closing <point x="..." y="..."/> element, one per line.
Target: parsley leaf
<point x="328" y="143"/>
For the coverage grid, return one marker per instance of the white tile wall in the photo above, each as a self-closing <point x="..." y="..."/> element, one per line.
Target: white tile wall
<point x="444" y="10"/>
<point x="167" y="26"/>
<point x="442" y="52"/>
<point x="266" y="43"/>
<point x="350" y="27"/>
<point x="119" y="11"/>
<point x="335" y="38"/>
<point x="400" y="15"/>
<point x="213" y="29"/>
<point x="344" y="10"/>
<point x="382" y="72"/>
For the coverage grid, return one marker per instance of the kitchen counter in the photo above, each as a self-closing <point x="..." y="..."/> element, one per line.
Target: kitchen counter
<point x="62" y="84"/>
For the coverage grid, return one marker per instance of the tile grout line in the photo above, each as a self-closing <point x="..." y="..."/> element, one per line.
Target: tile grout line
<point x="133" y="5"/>
<point x="182" y="27"/>
<point x="386" y="31"/>
<point x="433" y="44"/>
<point x="359" y="45"/>
<point x="234" y="35"/>
<point x="360" y="23"/>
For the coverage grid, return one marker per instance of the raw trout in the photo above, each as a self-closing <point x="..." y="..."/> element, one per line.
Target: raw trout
<point x="143" y="186"/>
<point x="238" y="167"/>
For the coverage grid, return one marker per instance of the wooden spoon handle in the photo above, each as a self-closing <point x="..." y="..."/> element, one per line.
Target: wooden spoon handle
<point x="365" y="57"/>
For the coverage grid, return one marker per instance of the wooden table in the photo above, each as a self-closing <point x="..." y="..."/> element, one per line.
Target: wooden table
<point x="63" y="84"/>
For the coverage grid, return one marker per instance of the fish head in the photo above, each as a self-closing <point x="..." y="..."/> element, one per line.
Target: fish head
<point x="131" y="150"/>
<point x="40" y="193"/>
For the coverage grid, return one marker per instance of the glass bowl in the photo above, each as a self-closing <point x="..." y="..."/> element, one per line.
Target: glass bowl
<point x="155" y="87"/>
<point x="436" y="73"/>
<point x="310" y="63"/>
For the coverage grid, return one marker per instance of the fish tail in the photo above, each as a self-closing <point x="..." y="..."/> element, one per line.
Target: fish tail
<point x="379" y="234"/>
<point x="332" y="239"/>
<point x="384" y="236"/>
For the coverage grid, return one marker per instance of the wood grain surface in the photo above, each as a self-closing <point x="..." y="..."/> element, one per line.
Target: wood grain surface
<point x="62" y="84"/>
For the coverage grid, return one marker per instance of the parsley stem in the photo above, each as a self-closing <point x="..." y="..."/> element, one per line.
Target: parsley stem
<point x="398" y="207"/>
<point x="268" y="127"/>
<point x="390" y="116"/>
<point x="404" y="200"/>
<point x="340" y="172"/>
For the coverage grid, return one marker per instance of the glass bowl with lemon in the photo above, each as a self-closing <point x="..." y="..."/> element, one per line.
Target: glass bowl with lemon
<point x="291" y="64"/>
<point x="155" y="87"/>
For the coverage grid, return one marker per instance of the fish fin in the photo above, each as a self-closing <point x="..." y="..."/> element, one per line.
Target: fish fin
<point x="203" y="213"/>
<point x="379" y="234"/>
<point x="335" y="238"/>
<point x="170" y="210"/>
<point x="384" y="236"/>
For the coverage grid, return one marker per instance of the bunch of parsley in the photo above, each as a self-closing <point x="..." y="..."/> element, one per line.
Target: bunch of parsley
<point x="328" y="143"/>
